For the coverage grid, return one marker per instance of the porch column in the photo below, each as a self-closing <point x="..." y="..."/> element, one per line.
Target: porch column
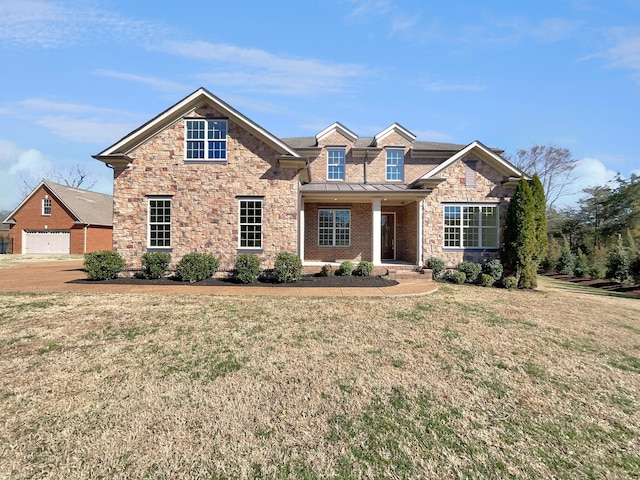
<point x="420" y="233"/>
<point x="377" y="219"/>
<point x="301" y="229"/>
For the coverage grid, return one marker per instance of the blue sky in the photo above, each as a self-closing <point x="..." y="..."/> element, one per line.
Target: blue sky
<point x="78" y="75"/>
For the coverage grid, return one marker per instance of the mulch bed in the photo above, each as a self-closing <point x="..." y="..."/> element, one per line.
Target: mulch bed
<point x="598" y="283"/>
<point x="305" y="281"/>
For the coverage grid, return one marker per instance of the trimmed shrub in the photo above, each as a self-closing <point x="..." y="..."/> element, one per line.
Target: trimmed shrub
<point x="486" y="280"/>
<point x="195" y="267"/>
<point x="155" y="264"/>
<point x="458" y="277"/>
<point x="471" y="270"/>
<point x="510" y="282"/>
<point x="364" y="269"/>
<point x="103" y="265"/>
<point x="437" y="267"/>
<point x="326" y="270"/>
<point x="287" y="268"/>
<point x="247" y="268"/>
<point x="346" y="268"/>
<point x="493" y="268"/>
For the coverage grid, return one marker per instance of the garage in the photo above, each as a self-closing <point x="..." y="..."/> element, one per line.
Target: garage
<point x="46" y="241"/>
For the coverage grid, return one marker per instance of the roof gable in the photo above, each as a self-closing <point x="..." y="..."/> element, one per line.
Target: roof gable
<point x="86" y="207"/>
<point x="395" y="128"/>
<point x="485" y="154"/>
<point x="178" y="111"/>
<point x="339" y="128"/>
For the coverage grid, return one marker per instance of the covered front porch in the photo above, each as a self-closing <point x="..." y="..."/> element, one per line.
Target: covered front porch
<point x="381" y="224"/>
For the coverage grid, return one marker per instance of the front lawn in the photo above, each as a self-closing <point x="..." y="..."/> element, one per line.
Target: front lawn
<point x="465" y="383"/>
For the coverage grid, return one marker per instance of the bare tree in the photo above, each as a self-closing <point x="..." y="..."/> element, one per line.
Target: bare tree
<point x="554" y="165"/>
<point x="75" y="177"/>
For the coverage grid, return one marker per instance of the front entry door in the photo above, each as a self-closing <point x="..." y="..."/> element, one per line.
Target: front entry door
<point x="388" y="236"/>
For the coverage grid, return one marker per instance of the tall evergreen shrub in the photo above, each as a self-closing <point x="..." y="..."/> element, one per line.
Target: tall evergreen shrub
<point x="540" y="205"/>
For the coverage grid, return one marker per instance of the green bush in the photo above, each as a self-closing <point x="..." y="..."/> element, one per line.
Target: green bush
<point x="364" y="269"/>
<point x="493" y="268"/>
<point x="287" y="268"/>
<point x="510" y="282"/>
<point x="566" y="262"/>
<point x="195" y="267"/>
<point x="326" y="270"/>
<point x="635" y="270"/>
<point x="597" y="271"/>
<point x="437" y="267"/>
<point x="155" y="264"/>
<point x="247" y="268"/>
<point x="582" y="266"/>
<point x="471" y="270"/>
<point x="619" y="263"/>
<point x="346" y="268"/>
<point x="486" y="280"/>
<point x="103" y="265"/>
<point x="458" y="277"/>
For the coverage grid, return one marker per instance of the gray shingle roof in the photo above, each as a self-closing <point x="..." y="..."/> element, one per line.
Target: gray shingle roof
<point x="363" y="142"/>
<point x="89" y="207"/>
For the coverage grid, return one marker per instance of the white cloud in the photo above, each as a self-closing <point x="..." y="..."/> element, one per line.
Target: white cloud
<point x="30" y="162"/>
<point x="626" y="52"/>
<point x="439" y="86"/>
<point x="85" y="130"/>
<point x="590" y="172"/>
<point x="260" y="70"/>
<point x="157" y="83"/>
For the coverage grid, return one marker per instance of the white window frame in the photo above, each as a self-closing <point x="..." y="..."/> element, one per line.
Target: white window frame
<point x="247" y="224"/>
<point x="337" y="164"/>
<point x="333" y="231"/>
<point x="394" y="172"/>
<point x="210" y="138"/>
<point x="164" y="222"/>
<point x="460" y="232"/>
<point x="46" y="205"/>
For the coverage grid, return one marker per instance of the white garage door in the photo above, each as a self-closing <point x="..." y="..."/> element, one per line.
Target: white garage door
<point x="44" y="241"/>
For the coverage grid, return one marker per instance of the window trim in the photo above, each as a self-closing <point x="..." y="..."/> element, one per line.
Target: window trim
<point x="46" y="204"/>
<point x="333" y="227"/>
<point x="399" y="166"/>
<point x="170" y="223"/>
<point x="208" y="151"/>
<point x="343" y="164"/>
<point x="479" y="227"/>
<point x="241" y="224"/>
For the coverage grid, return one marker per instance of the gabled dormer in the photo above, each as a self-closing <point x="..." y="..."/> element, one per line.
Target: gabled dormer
<point x="327" y="135"/>
<point x="396" y="129"/>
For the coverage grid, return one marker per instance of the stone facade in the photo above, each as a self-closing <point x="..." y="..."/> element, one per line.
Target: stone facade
<point x="205" y="196"/>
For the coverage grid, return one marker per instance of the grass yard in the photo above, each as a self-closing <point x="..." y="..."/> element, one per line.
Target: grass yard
<point x="465" y="383"/>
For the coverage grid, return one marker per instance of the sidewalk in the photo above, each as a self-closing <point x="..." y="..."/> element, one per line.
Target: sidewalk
<point x="55" y="277"/>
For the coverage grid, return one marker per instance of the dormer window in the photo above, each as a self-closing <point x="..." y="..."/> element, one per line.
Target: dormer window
<point x="206" y="140"/>
<point x="395" y="165"/>
<point x="335" y="164"/>
<point x="46" y="206"/>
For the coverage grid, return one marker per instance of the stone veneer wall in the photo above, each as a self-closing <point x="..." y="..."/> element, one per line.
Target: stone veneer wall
<point x="205" y="196"/>
<point x="488" y="190"/>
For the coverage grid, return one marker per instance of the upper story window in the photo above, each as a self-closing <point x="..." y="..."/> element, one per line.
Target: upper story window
<point x="46" y="206"/>
<point x="471" y="226"/>
<point x="159" y="228"/>
<point x="335" y="164"/>
<point x="395" y="165"/>
<point x="206" y="139"/>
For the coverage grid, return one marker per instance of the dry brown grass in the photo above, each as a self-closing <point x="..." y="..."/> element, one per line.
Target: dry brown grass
<point x="7" y="261"/>
<point x="468" y="382"/>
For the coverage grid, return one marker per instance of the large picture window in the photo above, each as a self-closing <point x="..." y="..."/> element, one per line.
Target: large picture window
<point x="206" y="140"/>
<point x="395" y="165"/>
<point x="335" y="164"/>
<point x="250" y="223"/>
<point x="471" y="226"/>
<point x="334" y="228"/>
<point x="159" y="223"/>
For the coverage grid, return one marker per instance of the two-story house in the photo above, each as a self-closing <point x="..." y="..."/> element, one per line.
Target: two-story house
<point x="202" y="177"/>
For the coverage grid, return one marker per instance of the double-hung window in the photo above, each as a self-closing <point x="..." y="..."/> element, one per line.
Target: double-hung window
<point x="206" y="140"/>
<point x="335" y="164"/>
<point x="159" y="231"/>
<point x="250" y="223"/>
<point x="334" y="228"/>
<point x="46" y="206"/>
<point x="471" y="226"/>
<point x="395" y="165"/>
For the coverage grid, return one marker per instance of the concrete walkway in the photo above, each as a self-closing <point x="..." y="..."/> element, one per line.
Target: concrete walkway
<point x="56" y="276"/>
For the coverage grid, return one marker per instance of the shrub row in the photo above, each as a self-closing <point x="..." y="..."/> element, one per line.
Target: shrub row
<point x="486" y="274"/>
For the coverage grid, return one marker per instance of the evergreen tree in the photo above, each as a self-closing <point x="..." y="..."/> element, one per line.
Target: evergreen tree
<point x="540" y="204"/>
<point x="519" y="249"/>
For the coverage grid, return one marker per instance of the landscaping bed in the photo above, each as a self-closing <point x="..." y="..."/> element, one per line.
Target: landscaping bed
<point x="600" y="283"/>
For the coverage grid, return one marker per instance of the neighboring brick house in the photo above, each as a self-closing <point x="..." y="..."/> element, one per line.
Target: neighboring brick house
<point x="202" y="177"/>
<point x="55" y="218"/>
